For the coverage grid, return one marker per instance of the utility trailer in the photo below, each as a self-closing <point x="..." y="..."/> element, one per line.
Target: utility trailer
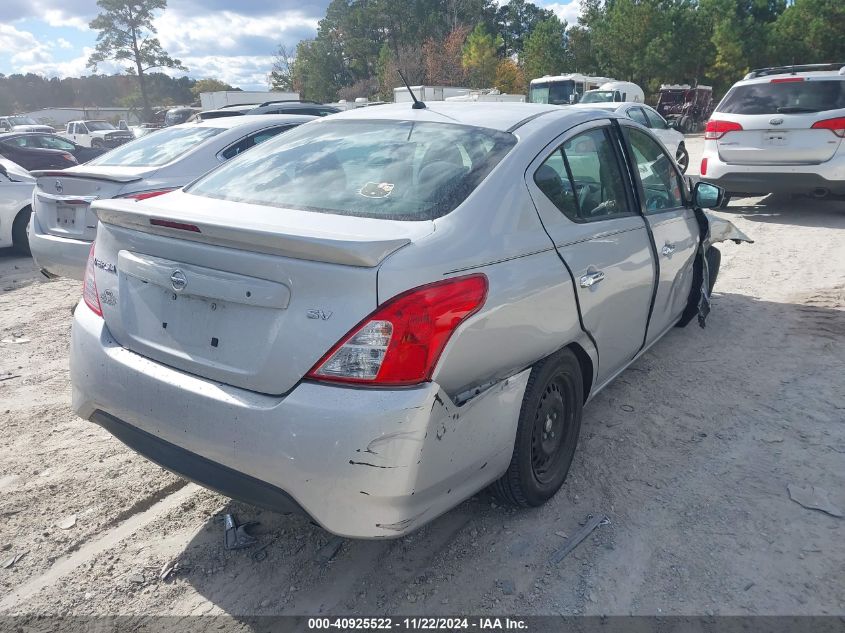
<point x="684" y="107"/>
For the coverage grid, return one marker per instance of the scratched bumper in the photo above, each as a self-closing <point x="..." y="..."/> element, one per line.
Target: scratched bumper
<point x="363" y="463"/>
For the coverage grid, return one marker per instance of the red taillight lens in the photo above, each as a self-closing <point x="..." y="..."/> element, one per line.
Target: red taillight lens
<point x="837" y="126"/>
<point x="401" y="342"/>
<point x="703" y="170"/>
<point x="717" y="129"/>
<point x="143" y="195"/>
<point x="786" y="80"/>
<point x="170" y="224"/>
<point x="89" y="286"/>
<point x="69" y="158"/>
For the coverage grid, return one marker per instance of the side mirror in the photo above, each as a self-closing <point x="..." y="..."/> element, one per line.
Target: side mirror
<point x="707" y="196"/>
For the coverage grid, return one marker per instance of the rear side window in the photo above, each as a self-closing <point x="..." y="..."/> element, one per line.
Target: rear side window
<point x="583" y="179"/>
<point x="158" y="148"/>
<point x="637" y="115"/>
<point x="398" y="170"/>
<point x="252" y="140"/>
<point x="785" y="97"/>
<point x="655" y="120"/>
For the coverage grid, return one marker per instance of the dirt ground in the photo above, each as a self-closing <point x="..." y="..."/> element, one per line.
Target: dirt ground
<point x="688" y="453"/>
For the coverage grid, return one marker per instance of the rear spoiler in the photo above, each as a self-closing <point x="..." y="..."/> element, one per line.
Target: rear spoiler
<point x="85" y="174"/>
<point x="319" y="246"/>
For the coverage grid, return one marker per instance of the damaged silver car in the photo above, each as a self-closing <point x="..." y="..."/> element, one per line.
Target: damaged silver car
<point x="373" y="317"/>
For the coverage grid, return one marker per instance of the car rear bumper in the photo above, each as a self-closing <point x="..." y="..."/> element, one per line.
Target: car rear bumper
<point x="60" y="256"/>
<point x="363" y="463"/>
<point x="763" y="179"/>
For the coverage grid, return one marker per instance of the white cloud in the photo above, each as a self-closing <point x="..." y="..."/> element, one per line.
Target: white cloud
<point x="58" y="18"/>
<point x="567" y="12"/>
<point x="244" y="71"/>
<point x="76" y="67"/>
<point x="63" y="43"/>
<point x="23" y="46"/>
<point x="182" y="35"/>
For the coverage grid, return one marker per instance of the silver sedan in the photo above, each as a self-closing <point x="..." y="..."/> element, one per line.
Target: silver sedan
<point x="376" y="315"/>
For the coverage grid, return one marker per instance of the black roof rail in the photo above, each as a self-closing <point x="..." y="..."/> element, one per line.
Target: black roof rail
<point x="791" y="70"/>
<point x="266" y="103"/>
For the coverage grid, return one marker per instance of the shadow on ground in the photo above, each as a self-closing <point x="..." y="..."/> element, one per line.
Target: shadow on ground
<point x="784" y="209"/>
<point x="688" y="452"/>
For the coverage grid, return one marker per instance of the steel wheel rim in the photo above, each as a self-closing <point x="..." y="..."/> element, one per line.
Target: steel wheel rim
<point x="550" y="432"/>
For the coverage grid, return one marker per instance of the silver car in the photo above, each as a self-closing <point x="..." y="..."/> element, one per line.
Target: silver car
<point x="63" y="226"/>
<point x="378" y="314"/>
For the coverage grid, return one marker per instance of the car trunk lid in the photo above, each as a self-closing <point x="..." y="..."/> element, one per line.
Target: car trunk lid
<point x="63" y="198"/>
<point x="248" y="296"/>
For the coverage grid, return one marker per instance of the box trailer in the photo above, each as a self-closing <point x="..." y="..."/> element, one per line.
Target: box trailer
<point x="221" y="98"/>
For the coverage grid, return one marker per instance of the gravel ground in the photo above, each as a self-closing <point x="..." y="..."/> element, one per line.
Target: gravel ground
<point x="689" y="454"/>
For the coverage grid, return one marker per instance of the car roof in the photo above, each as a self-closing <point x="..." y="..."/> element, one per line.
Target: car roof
<point x="231" y="122"/>
<point x="493" y="115"/>
<point x="611" y="105"/>
<point x="293" y="105"/>
<point x="813" y="74"/>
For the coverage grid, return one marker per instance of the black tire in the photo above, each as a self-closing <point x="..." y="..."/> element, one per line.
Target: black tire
<point x="726" y="200"/>
<point x="547" y="434"/>
<point x="714" y="260"/>
<point x="20" y="238"/>
<point x="96" y="144"/>
<point x="682" y="158"/>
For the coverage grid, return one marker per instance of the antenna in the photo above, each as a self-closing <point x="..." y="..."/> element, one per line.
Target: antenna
<point x="418" y="105"/>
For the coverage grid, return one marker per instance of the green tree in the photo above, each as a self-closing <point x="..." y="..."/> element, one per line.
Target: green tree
<point x="126" y="33"/>
<point x="479" y="57"/>
<point x="208" y="85"/>
<point x="545" y="49"/>
<point x="809" y="31"/>
<point x="281" y="75"/>
<point x="515" y="20"/>
<point x="509" y="77"/>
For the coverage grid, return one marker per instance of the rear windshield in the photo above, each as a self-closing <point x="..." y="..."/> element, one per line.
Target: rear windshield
<point x="785" y="97"/>
<point x="158" y="148"/>
<point x="397" y="170"/>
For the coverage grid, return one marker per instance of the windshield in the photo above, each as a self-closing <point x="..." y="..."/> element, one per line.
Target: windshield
<point x="99" y="126"/>
<point x="784" y="97"/>
<point x="598" y="96"/>
<point x="398" y="170"/>
<point x="556" y="93"/>
<point x="158" y="148"/>
<point x="22" y="120"/>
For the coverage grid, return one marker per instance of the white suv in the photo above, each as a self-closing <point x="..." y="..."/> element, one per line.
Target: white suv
<point x="780" y="130"/>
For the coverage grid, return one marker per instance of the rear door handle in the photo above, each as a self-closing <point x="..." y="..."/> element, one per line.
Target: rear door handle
<point x="667" y="250"/>
<point x="591" y="279"/>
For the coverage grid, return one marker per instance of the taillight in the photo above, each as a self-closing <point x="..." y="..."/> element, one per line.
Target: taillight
<point x="717" y="129"/>
<point x="703" y="170"/>
<point x="69" y="158"/>
<point x="89" y="286"/>
<point x="837" y="126"/>
<point x="786" y="80"/>
<point x="401" y="342"/>
<point x="143" y="195"/>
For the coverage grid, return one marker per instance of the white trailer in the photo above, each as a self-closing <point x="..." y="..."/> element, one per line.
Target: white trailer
<point x="614" y="91"/>
<point x="221" y="98"/>
<point x="563" y="89"/>
<point x="488" y="95"/>
<point x="428" y="93"/>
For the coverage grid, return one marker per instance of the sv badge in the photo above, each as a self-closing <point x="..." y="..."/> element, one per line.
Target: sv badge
<point x="319" y="314"/>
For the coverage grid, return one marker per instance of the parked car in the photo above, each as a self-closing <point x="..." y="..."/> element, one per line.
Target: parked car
<point x="36" y="150"/>
<point x="63" y="224"/>
<point x="378" y="314"/>
<point x="16" y="186"/>
<point x="224" y="112"/>
<point x="648" y="117"/>
<point x="22" y="123"/>
<point x="780" y="130"/>
<point x="100" y="134"/>
<point x="294" y="107"/>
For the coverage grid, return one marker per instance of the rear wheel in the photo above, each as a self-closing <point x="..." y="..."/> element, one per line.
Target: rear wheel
<point x="682" y="158"/>
<point x="549" y="423"/>
<point x="97" y="143"/>
<point x="20" y="238"/>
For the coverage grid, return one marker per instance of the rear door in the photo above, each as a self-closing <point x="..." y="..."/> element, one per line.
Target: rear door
<point x="673" y="224"/>
<point x="586" y="206"/>
<point x="777" y="117"/>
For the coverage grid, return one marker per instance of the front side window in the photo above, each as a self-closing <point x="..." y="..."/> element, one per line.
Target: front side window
<point x="398" y="170"/>
<point x="158" y="148"/>
<point x="655" y="120"/>
<point x="583" y="178"/>
<point x="661" y="183"/>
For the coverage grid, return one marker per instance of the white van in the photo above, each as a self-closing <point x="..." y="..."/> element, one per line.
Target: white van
<point x="615" y="91"/>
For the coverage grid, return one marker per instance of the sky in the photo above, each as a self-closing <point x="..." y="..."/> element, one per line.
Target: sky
<point x="230" y="40"/>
